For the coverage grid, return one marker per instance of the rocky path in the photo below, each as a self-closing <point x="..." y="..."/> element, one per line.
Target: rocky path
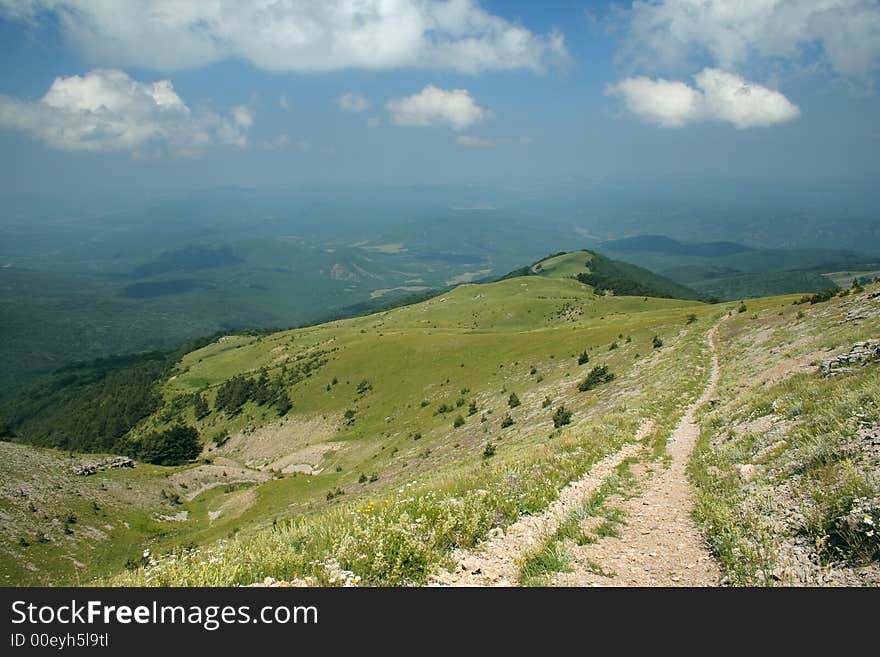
<point x="497" y="562"/>
<point x="659" y="543"/>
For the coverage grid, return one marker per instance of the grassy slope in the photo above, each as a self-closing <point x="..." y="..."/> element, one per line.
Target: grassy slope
<point x="477" y="343"/>
<point x="486" y="338"/>
<point x="780" y="460"/>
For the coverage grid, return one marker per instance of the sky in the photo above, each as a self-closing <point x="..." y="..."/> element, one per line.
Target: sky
<point x="101" y="95"/>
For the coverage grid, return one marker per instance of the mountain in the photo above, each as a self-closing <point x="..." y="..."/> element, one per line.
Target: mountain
<point x="373" y="447"/>
<point x="605" y="274"/>
<point x="730" y="271"/>
<point x="663" y="244"/>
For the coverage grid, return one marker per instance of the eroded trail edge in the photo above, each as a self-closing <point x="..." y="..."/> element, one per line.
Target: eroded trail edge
<point x="497" y="562"/>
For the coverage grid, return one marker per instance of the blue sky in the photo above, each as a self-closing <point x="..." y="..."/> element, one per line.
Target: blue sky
<point x="140" y="94"/>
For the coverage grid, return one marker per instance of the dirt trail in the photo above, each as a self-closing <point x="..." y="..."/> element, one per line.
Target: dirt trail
<point x="497" y="562"/>
<point x="658" y="546"/>
<point x="659" y="543"/>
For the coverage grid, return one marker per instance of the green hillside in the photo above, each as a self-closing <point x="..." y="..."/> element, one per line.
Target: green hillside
<point x="730" y="271"/>
<point x="373" y="397"/>
<point x="376" y="444"/>
<point x="607" y="275"/>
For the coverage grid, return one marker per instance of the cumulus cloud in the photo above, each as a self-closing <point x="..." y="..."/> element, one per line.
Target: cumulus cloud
<point x="353" y="102"/>
<point x="718" y="96"/>
<point x="295" y="35"/>
<point x="473" y="141"/>
<point x="434" y="106"/>
<point x="106" y="110"/>
<point x="666" y="34"/>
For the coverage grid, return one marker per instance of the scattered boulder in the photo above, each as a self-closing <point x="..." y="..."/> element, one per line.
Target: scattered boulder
<point x="861" y="353"/>
<point x="89" y="468"/>
<point x="746" y="471"/>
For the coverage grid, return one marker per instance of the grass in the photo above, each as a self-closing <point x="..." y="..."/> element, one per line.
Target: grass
<point x="812" y="481"/>
<point x="482" y="339"/>
<point x="553" y="555"/>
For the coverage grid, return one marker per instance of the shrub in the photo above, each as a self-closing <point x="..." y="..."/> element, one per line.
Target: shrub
<point x="742" y="307"/>
<point x="546" y="403"/>
<point x="818" y="297"/>
<point x="282" y="404"/>
<point x="171" y="447"/>
<point x="457" y="422"/>
<point x="691" y="318"/>
<point x="613" y="346"/>
<point x="506" y="422"/>
<point x="489" y="450"/>
<point x="657" y="342"/>
<point x="513" y="401"/>
<point x="561" y="417"/>
<point x="200" y="406"/>
<point x="472" y="409"/>
<point x="597" y="376"/>
<point x="583" y="358"/>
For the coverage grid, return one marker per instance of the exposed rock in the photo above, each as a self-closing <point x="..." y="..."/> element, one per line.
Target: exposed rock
<point x="92" y="467"/>
<point x="746" y="471"/>
<point x="861" y="353"/>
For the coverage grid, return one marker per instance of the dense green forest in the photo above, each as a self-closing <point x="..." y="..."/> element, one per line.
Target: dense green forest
<point x="625" y="279"/>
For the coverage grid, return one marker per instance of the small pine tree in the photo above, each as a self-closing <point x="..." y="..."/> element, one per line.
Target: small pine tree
<point x="657" y="342"/>
<point x="513" y="401"/>
<point x="472" y="409"/>
<point x="200" y="406"/>
<point x="584" y="358"/>
<point x="597" y="376"/>
<point x="282" y="404"/>
<point x="171" y="447"/>
<point x="506" y="422"/>
<point x="261" y="390"/>
<point x="561" y="417"/>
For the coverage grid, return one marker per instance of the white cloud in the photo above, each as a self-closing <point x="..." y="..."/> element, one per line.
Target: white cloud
<point x="666" y="34"/>
<point x="283" y="142"/>
<point x="718" y="96"/>
<point x="242" y="116"/>
<point x="295" y="35"/>
<point x="374" y="122"/>
<point x="284" y="103"/>
<point x="353" y="102"/>
<point x="432" y="106"/>
<point x="105" y="110"/>
<point x="473" y="141"/>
